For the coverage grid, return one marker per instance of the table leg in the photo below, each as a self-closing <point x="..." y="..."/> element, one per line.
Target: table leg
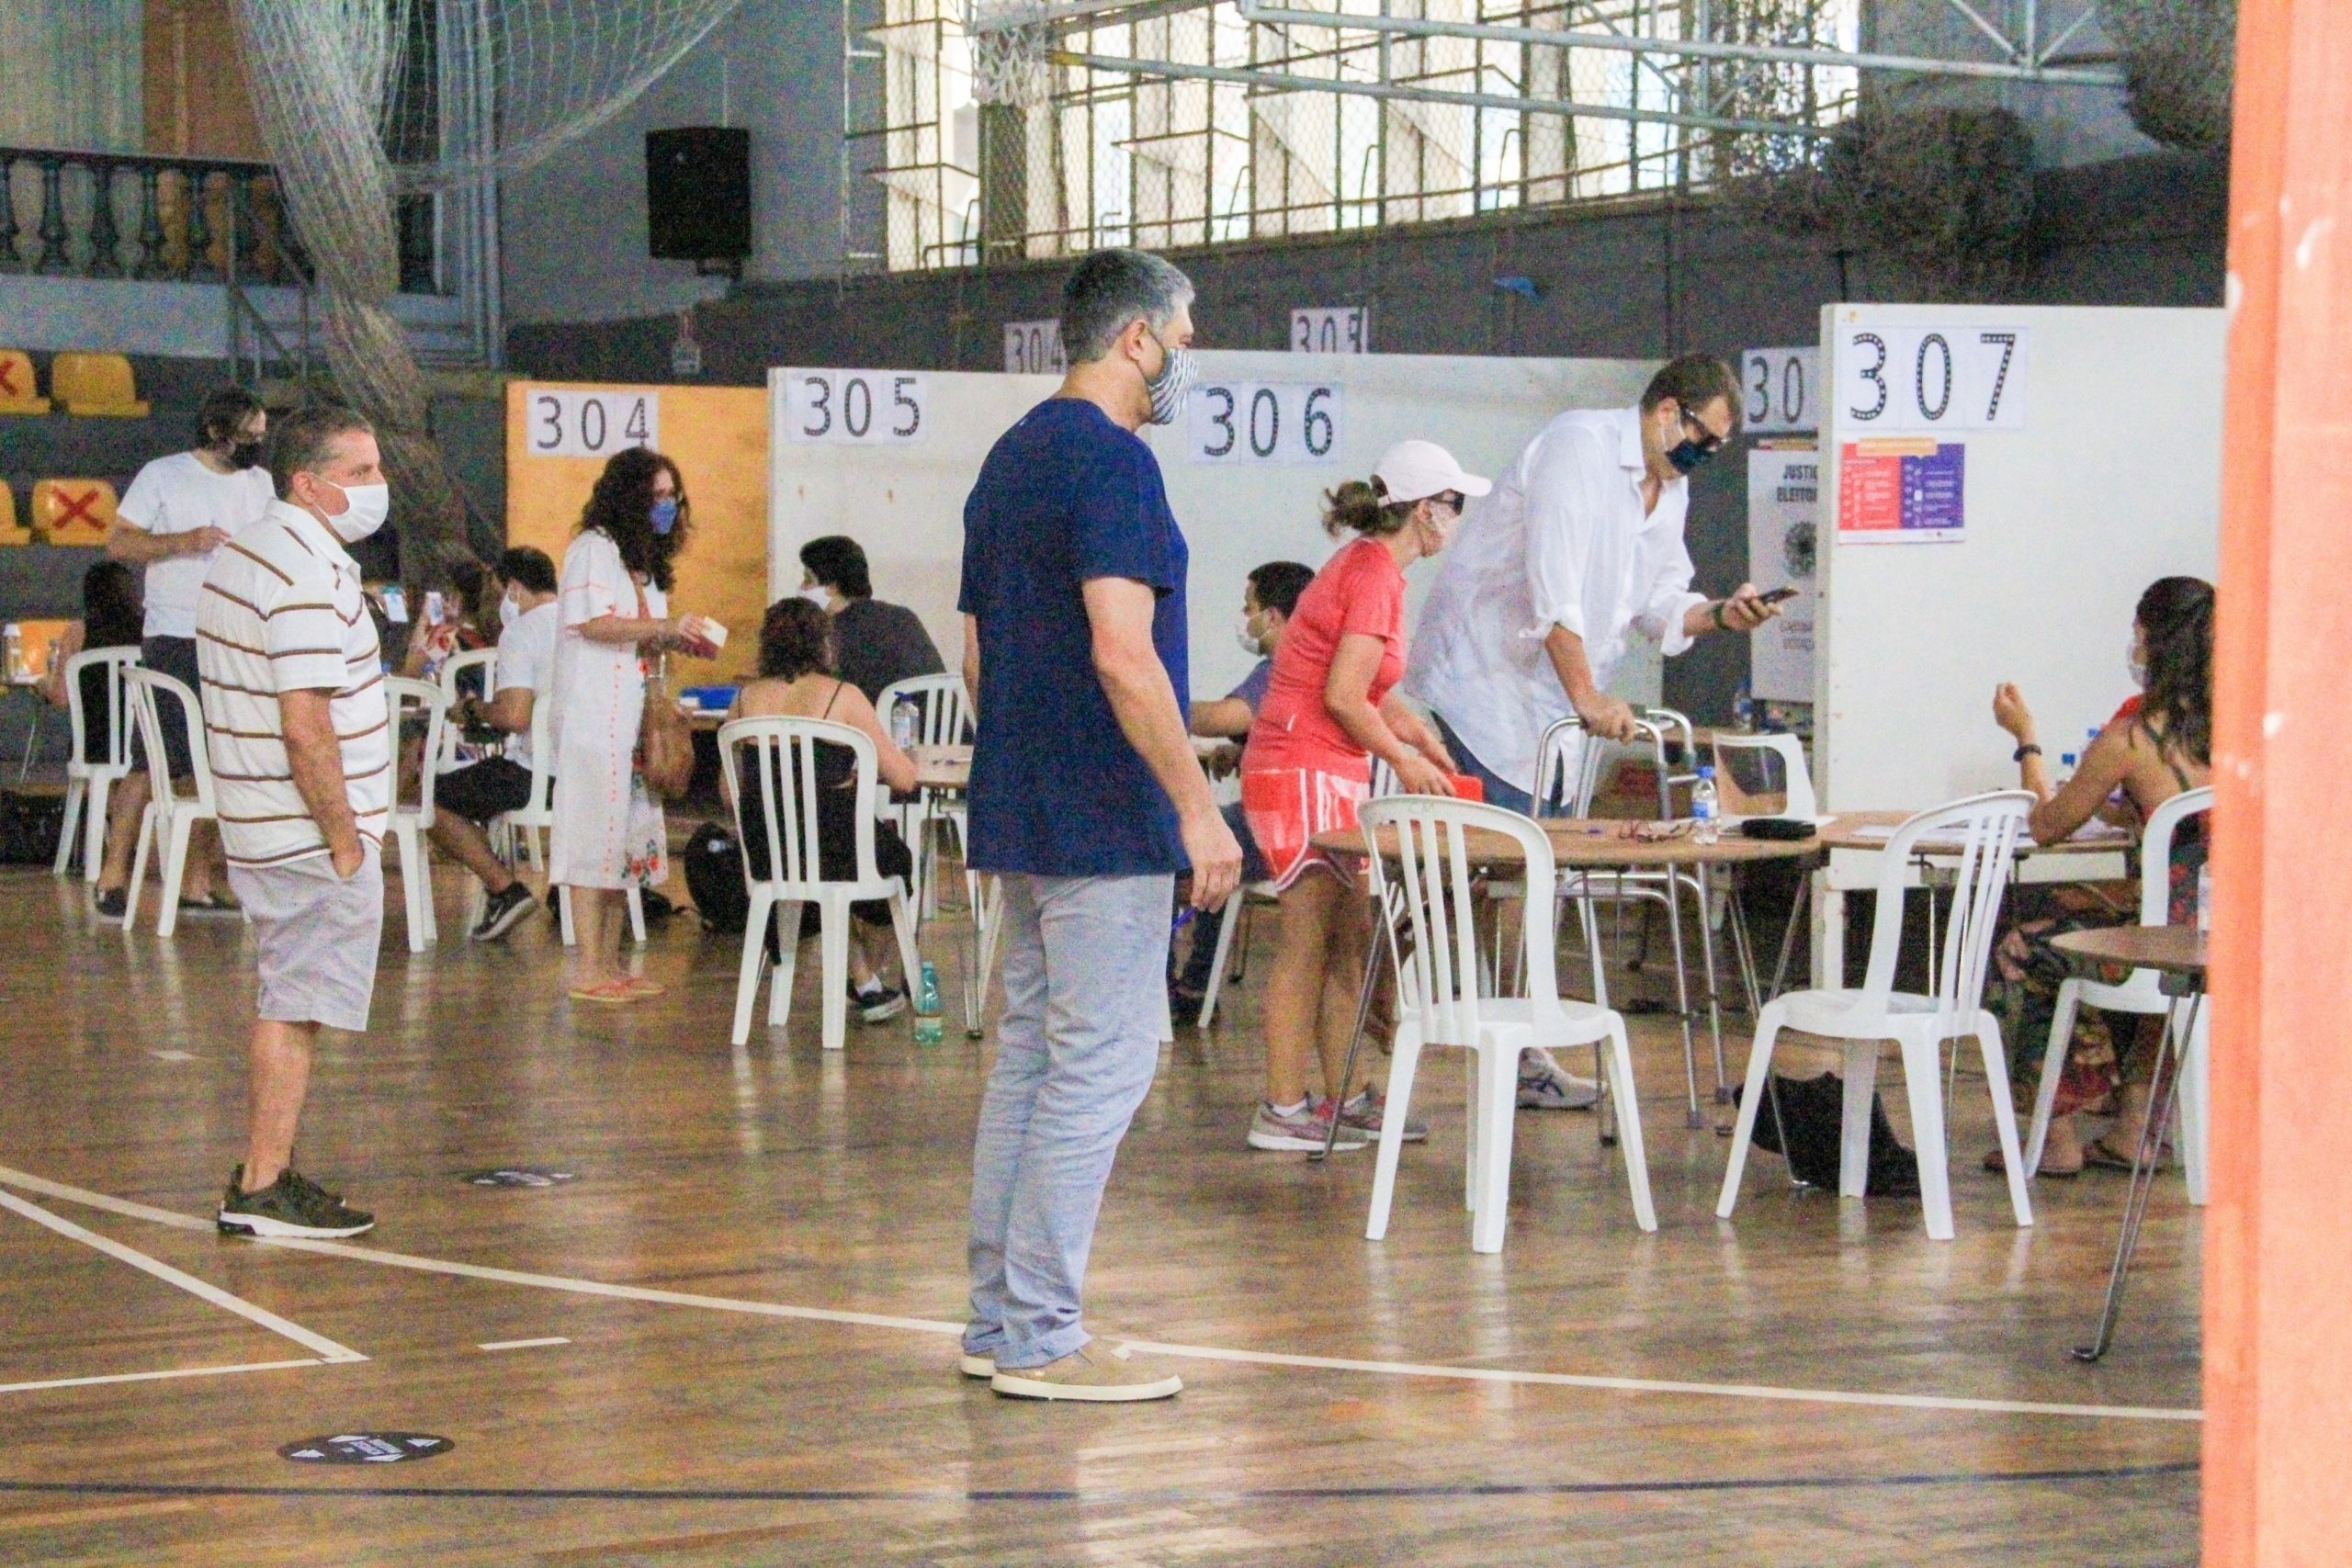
<point x="2145" y="1167"/>
<point x="1355" y="1040"/>
<point x="1797" y="910"/>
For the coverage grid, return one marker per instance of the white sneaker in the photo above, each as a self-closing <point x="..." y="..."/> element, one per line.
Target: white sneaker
<point x="1089" y="1373"/>
<point x="1302" y="1131"/>
<point x="1543" y="1086"/>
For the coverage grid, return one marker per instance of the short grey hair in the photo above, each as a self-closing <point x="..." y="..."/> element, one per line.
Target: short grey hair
<point x="300" y="442"/>
<point x="1110" y="288"/>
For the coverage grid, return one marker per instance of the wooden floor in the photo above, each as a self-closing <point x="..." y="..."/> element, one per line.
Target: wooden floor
<point x="757" y="1274"/>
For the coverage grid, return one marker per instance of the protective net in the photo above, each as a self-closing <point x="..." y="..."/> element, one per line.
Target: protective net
<point x="361" y="99"/>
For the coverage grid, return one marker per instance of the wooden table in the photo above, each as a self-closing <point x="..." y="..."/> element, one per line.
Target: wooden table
<point x="1612" y="845"/>
<point x="1850" y="832"/>
<point x="2171" y="950"/>
<point x="947" y="769"/>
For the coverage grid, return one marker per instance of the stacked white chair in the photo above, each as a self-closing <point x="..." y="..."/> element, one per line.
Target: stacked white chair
<point x="87" y="785"/>
<point x="170" y="816"/>
<point x="2142" y="993"/>
<point x="410" y="821"/>
<point x="943" y="717"/>
<point x="1981" y="833"/>
<point x="784" y="755"/>
<point x="1441" y="998"/>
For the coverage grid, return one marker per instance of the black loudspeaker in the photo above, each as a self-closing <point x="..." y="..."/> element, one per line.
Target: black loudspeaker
<point x="699" y="193"/>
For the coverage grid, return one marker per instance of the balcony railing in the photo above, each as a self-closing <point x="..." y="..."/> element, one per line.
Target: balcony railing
<point x="119" y="215"/>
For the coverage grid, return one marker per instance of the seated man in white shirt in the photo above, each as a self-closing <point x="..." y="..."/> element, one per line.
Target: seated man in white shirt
<point x="1533" y="608"/>
<point x="1270" y="595"/>
<point x="467" y="798"/>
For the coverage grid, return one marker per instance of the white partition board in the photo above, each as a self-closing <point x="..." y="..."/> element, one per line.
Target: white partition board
<point x="905" y="503"/>
<point x="2112" y="480"/>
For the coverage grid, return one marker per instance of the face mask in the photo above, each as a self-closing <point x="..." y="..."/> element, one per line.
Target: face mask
<point x="1178" y="371"/>
<point x="2138" y="666"/>
<point x="665" y="513"/>
<point x="819" y="595"/>
<point x="1687" y="454"/>
<point x="245" y="454"/>
<point x="507" y="611"/>
<point x="370" y="504"/>
<point x="1444" y="524"/>
<point x="1245" y="634"/>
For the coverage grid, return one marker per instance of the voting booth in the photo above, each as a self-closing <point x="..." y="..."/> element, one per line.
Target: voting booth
<point x="888" y="458"/>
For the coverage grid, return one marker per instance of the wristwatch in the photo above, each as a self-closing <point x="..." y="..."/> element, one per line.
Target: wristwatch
<point x="2022" y="752"/>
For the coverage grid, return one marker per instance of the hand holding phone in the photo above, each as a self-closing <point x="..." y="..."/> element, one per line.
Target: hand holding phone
<point x="1778" y="595"/>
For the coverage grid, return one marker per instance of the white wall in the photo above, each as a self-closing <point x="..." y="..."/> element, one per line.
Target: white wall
<point x="572" y="230"/>
<point x="905" y="504"/>
<point x="2113" y="481"/>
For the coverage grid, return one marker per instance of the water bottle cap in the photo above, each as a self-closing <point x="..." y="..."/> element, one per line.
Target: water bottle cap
<point x="2067" y="758"/>
<point x="1706" y="771"/>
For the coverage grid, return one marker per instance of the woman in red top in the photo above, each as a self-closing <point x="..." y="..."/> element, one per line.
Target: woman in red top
<point x="1328" y="711"/>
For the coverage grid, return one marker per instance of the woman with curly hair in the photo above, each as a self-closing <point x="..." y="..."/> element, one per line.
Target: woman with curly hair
<point x="614" y="615"/>
<point x="2157" y="746"/>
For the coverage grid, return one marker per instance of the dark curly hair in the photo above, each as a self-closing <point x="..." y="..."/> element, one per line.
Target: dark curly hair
<point x="621" y="507"/>
<point x="2176" y="617"/>
<point x="796" y="640"/>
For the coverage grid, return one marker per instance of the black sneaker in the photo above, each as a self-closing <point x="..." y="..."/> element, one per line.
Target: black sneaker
<point x="113" y="901"/>
<point x="293" y="1205"/>
<point x="877" y="1003"/>
<point x="501" y="911"/>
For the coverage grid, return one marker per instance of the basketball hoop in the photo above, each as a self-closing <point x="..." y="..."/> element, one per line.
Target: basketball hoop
<point x="1011" y="52"/>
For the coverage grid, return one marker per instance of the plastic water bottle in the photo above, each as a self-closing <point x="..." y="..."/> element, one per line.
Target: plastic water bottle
<point x="928" y="1029"/>
<point x="1706" y="815"/>
<point x="902" y="723"/>
<point x="1743" y="710"/>
<point x="14" y="658"/>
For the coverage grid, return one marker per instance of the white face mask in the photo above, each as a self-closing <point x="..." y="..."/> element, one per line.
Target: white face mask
<point x="2138" y="666"/>
<point x="508" y="611"/>
<point x="1251" y="643"/>
<point x="819" y="595"/>
<point x="369" y="505"/>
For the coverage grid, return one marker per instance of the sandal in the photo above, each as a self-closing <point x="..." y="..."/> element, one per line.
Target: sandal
<point x="1993" y="1163"/>
<point x="606" y="991"/>
<point x="2107" y="1157"/>
<point x="215" y="902"/>
<point x="638" y="985"/>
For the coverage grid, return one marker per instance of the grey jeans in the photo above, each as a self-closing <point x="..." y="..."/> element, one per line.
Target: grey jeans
<point x="1085" y="965"/>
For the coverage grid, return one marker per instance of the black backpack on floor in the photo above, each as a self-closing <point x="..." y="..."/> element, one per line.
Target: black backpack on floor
<point x="1813" y="1112"/>
<point x="715" y="877"/>
<point x="29" y="826"/>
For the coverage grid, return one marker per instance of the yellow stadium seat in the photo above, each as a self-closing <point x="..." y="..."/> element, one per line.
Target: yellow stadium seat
<point x="11" y="531"/>
<point x="95" y="384"/>
<point x="72" y="511"/>
<point x="19" y="390"/>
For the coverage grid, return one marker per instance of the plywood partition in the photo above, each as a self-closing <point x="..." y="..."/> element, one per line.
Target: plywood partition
<point x="2080" y="462"/>
<point x="2279" y="1292"/>
<point x="719" y="437"/>
<point x="904" y="501"/>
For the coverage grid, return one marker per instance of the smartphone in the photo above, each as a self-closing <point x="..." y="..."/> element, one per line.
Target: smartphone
<point x="1778" y="595"/>
<point x="395" y="603"/>
<point x="435" y="605"/>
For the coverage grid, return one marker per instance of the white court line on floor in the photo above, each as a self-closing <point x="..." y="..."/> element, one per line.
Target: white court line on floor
<point x="523" y="1344"/>
<point x="158" y="1377"/>
<point x="325" y="1349"/>
<point x="1194" y="1352"/>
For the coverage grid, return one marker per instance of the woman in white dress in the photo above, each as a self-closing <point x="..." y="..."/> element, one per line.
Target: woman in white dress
<point x="614" y="611"/>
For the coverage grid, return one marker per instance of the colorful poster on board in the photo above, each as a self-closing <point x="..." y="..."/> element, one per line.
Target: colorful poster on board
<point x="1902" y="490"/>
<point x="1783" y="514"/>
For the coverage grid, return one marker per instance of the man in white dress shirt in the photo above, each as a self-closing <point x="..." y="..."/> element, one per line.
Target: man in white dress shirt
<point x="1535" y="605"/>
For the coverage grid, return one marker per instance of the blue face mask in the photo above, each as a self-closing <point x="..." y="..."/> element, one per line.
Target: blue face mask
<point x="665" y="513"/>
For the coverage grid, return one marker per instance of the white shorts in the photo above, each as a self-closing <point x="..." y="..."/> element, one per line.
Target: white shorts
<point x="318" y="934"/>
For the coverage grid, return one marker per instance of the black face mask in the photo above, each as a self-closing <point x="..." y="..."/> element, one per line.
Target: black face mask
<point x="245" y="454"/>
<point x="1687" y="455"/>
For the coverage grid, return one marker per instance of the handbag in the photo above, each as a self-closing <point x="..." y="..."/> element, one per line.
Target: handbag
<point x="665" y="742"/>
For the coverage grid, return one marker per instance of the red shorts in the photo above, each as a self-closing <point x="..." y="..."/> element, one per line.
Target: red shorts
<point x="1287" y="806"/>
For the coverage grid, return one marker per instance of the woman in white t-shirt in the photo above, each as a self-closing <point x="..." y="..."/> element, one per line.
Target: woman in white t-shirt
<point x="178" y="511"/>
<point x="614" y="611"/>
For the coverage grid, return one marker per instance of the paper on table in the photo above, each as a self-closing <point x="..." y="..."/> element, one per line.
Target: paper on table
<point x="2089" y="832"/>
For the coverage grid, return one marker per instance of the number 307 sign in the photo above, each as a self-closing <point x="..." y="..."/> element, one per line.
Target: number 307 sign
<point x="590" y="425"/>
<point x="1908" y="380"/>
<point x="1251" y="421"/>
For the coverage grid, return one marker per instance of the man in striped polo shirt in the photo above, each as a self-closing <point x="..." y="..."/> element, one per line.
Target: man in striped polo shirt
<point x="298" y="733"/>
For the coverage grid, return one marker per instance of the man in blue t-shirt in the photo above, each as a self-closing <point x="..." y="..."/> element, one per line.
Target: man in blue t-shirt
<point x="1086" y="800"/>
<point x="1271" y="595"/>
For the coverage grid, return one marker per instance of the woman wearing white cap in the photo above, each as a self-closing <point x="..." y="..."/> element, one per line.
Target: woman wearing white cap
<point x="1328" y="710"/>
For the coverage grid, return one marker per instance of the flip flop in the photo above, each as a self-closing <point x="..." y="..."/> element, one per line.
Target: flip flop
<point x="1993" y="1163"/>
<point x="2105" y="1156"/>
<point x="610" y="991"/>
<point x="213" y="903"/>
<point x="638" y="985"/>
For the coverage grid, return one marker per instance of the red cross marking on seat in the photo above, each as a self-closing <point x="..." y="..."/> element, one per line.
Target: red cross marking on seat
<point x="8" y="379"/>
<point x="75" y="508"/>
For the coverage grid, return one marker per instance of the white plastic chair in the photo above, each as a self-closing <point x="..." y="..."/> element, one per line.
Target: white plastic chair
<point x="944" y="718"/>
<point x="1438" y="995"/>
<point x="170" y="816"/>
<point x="87" y="785"/>
<point x="1797" y="795"/>
<point x="1981" y="832"/>
<point x="2141" y="993"/>
<point x="410" y="821"/>
<point x="784" y="759"/>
